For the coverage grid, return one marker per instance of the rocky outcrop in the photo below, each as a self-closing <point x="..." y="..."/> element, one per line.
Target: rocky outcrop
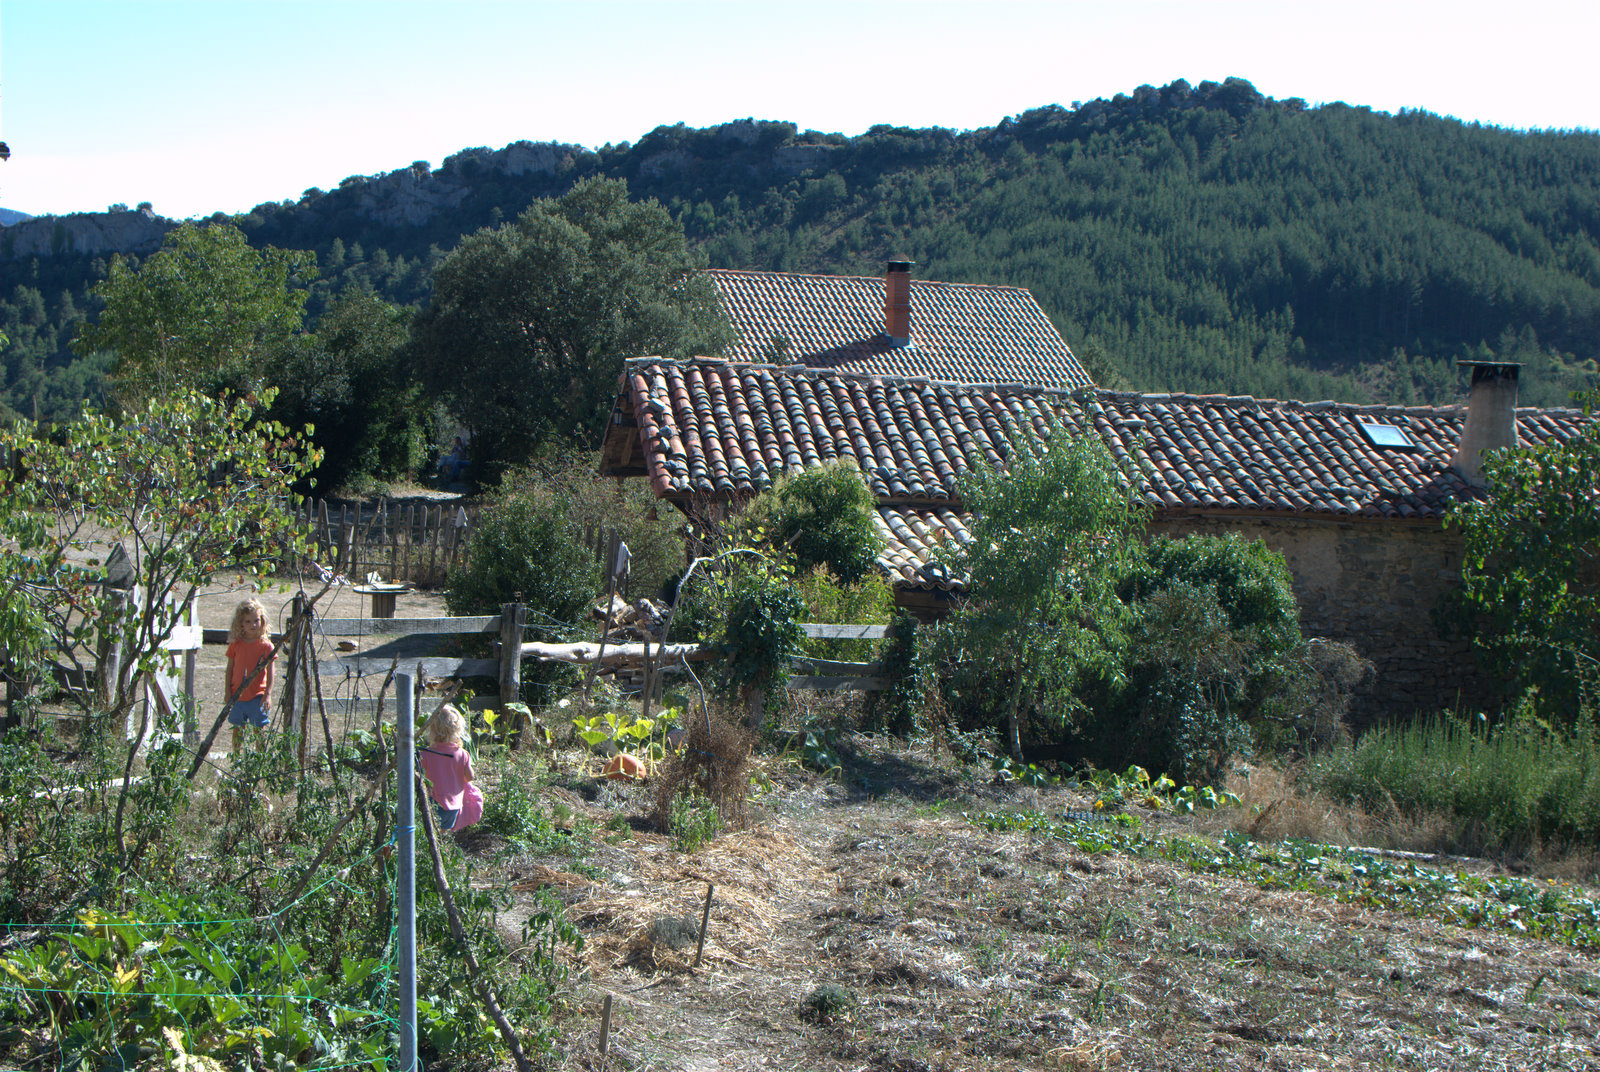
<point x="796" y="159"/>
<point x="408" y="196"/>
<point x="85" y="232"/>
<point x="414" y="195"/>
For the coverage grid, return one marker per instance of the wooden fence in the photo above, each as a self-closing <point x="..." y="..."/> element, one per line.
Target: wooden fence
<point x="827" y="675"/>
<point x="411" y="543"/>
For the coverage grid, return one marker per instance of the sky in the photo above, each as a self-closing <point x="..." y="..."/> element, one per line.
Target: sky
<point x="220" y="105"/>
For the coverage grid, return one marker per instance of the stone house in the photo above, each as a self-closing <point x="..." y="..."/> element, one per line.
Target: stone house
<point x="1353" y="496"/>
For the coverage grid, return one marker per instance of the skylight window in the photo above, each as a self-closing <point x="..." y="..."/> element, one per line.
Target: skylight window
<point x="1387" y="436"/>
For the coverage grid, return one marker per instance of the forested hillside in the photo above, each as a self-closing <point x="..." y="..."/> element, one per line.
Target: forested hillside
<point x="1186" y="238"/>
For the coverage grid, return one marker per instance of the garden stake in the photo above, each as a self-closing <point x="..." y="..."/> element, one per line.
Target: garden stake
<point x="459" y="933"/>
<point x="705" y="920"/>
<point x="605" y="1026"/>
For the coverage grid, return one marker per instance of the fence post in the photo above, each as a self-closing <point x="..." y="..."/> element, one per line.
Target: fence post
<point x="109" y="656"/>
<point x="347" y="549"/>
<point x="191" y="715"/>
<point x="391" y="536"/>
<point x="292" y="657"/>
<point x="513" y="616"/>
<point x="411" y="518"/>
<point x="405" y="828"/>
<point x="433" y="554"/>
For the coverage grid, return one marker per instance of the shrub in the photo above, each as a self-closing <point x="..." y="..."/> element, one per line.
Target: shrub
<point x="868" y="601"/>
<point x="598" y="506"/>
<point x="693" y="820"/>
<point x="1196" y="658"/>
<point x="526" y="550"/>
<point x="907" y="663"/>
<point x="1252" y="584"/>
<point x="823" y="517"/>
<point x="713" y="764"/>
<point x="762" y="634"/>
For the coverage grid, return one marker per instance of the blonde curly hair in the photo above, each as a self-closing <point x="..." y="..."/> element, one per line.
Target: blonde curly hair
<point x="446" y="725"/>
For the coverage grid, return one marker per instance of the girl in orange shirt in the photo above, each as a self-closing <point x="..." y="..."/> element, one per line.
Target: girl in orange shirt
<point x="250" y="658"/>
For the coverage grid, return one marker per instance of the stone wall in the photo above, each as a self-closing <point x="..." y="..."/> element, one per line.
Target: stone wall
<point x="1373" y="584"/>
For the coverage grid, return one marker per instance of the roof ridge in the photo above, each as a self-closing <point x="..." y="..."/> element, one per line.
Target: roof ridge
<point x="882" y="377"/>
<point x="865" y="278"/>
<point x="1102" y="393"/>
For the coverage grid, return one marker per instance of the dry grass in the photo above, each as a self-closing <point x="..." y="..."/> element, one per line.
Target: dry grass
<point x="714" y="762"/>
<point x="1277" y="805"/>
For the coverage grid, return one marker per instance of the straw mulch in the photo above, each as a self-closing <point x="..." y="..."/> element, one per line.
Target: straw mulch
<point x="759" y="878"/>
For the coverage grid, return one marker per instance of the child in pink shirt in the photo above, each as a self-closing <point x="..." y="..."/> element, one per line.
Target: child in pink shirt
<point x="445" y="764"/>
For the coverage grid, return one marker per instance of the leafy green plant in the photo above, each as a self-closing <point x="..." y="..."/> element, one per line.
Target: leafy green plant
<point x="693" y="821"/>
<point x="627" y="731"/>
<point x="818" y="749"/>
<point x="112" y="985"/>
<point x="1029" y="774"/>
<point x="1161" y="792"/>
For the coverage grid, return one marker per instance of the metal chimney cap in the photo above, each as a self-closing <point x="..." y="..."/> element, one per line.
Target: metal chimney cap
<point x="901" y="266"/>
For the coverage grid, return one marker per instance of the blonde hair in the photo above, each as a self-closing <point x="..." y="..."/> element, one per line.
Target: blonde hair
<point x="236" y="630"/>
<point x="446" y="725"/>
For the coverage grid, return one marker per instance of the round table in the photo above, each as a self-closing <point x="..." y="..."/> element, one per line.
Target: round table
<point x="383" y="597"/>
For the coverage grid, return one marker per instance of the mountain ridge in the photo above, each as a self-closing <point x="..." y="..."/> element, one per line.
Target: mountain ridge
<point x="1191" y="238"/>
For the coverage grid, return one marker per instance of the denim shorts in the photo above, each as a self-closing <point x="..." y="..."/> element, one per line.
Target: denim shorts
<point x="447" y="817"/>
<point x="253" y="711"/>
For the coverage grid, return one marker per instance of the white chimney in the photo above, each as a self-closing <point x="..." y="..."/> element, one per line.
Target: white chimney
<point x="1491" y="416"/>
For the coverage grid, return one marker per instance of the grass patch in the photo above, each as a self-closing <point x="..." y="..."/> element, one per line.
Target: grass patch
<point x="1507" y="788"/>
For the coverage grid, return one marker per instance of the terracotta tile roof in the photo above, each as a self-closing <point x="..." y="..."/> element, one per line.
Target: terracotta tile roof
<point x="724" y="430"/>
<point x="910" y="535"/>
<point x="960" y="332"/>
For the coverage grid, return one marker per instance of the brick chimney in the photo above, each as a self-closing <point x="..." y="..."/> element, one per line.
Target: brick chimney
<point x="1491" y="416"/>
<point x="897" y="303"/>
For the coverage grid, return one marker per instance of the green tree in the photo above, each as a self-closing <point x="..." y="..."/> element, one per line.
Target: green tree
<point x="187" y="484"/>
<point x="206" y="312"/>
<point x="349" y="380"/>
<point x="529" y="322"/>
<point x="1052" y="533"/>
<point x="1531" y="567"/>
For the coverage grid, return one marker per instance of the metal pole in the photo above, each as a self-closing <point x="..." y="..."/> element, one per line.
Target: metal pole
<point x="405" y="828"/>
